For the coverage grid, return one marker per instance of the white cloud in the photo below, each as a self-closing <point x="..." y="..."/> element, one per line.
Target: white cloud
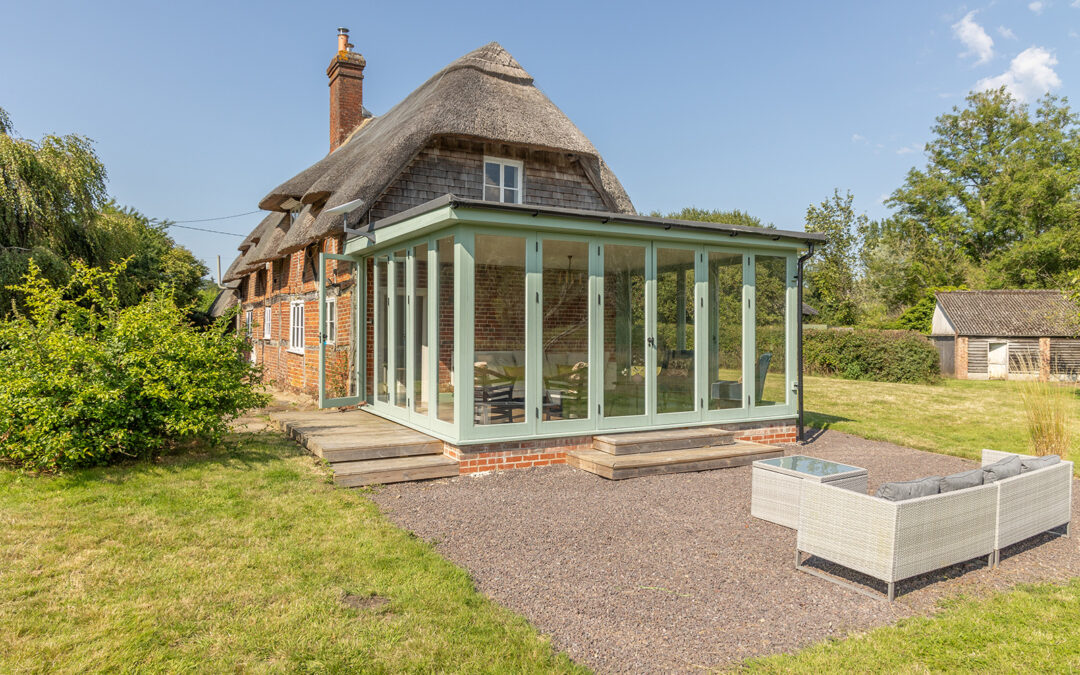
<point x="1073" y="34"/>
<point x="908" y="149"/>
<point x="1038" y="6"/>
<point x="1030" y="75"/>
<point x="977" y="41"/>
<point x="1007" y="32"/>
<point x="858" y="138"/>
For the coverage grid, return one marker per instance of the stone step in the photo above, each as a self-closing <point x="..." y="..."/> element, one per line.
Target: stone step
<point x="662" y="440"/>
<point x="394" y="470"/>
<point x="618" y="467"/>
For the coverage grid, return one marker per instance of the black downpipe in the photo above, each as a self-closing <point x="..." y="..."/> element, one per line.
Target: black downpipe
<point x="802" y="259"/>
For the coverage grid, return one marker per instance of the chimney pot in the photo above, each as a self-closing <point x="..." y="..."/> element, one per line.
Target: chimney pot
<point x="346" y="73"/>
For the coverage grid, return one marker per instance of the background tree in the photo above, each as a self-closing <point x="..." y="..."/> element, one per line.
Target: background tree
<point x="998" y="202"/>
<point x="54" y="209"/>
<point x="732" y="217"/>
<point x="831" y="282"/>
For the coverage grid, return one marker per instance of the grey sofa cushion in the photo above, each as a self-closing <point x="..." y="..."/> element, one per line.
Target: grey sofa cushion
<point x="959" y="481"/>
<point x="1001" y="469"/>
<point x="1033" y="463"/>
<point x="898" y="491"/>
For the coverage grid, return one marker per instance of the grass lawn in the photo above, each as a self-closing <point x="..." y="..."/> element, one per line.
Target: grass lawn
<point x="1031" y="629"/>
<point x="956" y="417"/>
<point x="231" y="560"/>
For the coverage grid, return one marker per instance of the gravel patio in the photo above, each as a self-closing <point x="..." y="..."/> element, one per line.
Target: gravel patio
<point x="672" y="572"/>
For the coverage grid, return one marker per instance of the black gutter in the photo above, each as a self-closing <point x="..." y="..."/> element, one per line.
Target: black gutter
<point x="802" y="259"/>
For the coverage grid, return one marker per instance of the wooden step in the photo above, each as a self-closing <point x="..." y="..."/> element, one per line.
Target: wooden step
<point x="394" y="470"/>
<point x="617" y="467"/>
<point x="335" y="449"/>
<point x="662" y="440"/>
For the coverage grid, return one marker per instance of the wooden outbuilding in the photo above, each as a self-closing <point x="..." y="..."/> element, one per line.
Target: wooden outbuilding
<point x="1007" y="334"/>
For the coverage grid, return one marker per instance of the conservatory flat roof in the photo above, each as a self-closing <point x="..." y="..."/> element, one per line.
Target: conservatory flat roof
<point x="454" y="202"/>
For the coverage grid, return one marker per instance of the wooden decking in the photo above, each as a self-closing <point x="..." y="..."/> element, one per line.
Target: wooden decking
<point x="649" y="453"/>
<point x="364" y="449"/>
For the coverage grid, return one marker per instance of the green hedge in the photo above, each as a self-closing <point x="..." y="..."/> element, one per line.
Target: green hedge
<point x="865" y="354"/>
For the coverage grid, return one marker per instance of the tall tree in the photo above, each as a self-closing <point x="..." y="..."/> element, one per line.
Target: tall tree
<point x="831" y="273"/>
<point x="997" y="175"/>
<point x="54" y="209"/>
<point x="731" y="217"/>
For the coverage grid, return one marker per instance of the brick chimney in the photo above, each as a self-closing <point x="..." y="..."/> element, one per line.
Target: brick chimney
<point x="346" y="73"/>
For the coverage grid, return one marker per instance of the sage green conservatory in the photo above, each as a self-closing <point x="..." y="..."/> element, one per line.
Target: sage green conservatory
<point x="480" y="321"/>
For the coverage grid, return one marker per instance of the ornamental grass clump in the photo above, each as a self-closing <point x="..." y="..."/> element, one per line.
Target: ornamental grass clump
<point x="85" y="381"/>
<point x="1046" y="410"/>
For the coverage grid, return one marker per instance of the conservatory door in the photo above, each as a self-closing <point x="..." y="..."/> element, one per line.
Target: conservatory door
<point x="674" y="302"/>
<point x="340" y="288"/>
<point x="627" y="360"/>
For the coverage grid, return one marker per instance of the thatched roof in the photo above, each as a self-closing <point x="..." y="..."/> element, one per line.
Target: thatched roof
<point x="484" y="95"/>
<point x="1010" y="313"/>
<point x="240" y="266"/>
<point x="226" y="299"/>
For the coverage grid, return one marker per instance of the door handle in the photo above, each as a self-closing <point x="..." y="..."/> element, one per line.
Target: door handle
<point x="651" y="342"/>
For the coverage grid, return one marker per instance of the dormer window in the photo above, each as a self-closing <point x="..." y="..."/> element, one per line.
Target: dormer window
<point x="503" y="180"/>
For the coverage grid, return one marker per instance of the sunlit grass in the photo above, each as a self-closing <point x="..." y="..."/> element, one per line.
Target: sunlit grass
<point x="1031" y="629"/>
<point x="955" y="417"/>
<point x="234" y="559"/>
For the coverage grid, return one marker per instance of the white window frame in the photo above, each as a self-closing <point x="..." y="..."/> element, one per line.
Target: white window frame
<point x="503" y="187"/>
<point x="331" y="321"/>
<point x="267" y="314"/>
<point x="249" y="317"/>
<point x="296" y="327"/>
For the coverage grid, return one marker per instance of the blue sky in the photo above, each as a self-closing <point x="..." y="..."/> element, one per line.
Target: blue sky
<point x="198" y="109"/>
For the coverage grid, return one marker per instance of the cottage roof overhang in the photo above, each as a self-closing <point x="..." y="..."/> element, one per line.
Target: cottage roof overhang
<point x="452" y="209"/>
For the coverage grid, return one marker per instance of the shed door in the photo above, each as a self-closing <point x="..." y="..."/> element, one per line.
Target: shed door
<point x="997" y="361"/>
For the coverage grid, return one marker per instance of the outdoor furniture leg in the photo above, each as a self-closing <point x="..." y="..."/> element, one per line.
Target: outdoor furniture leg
<point x="839" y="582"/>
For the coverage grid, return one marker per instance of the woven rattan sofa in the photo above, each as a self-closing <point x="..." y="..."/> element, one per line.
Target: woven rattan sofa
<point x="892" y="541"/>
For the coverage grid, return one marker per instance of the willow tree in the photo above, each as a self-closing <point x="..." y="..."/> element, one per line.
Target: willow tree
<point x="54" y="209"/>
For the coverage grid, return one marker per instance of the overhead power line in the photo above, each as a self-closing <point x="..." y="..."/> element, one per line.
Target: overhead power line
<point x="203" y="229"/>
<point x="207" y="220"/>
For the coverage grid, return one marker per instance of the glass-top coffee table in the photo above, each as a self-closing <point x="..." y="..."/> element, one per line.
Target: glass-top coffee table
<point x="776" y="485"/>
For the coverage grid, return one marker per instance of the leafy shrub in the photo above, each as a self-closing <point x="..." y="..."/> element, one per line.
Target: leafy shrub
<point x="863" y="354"/>
<point x="86" y="381"/>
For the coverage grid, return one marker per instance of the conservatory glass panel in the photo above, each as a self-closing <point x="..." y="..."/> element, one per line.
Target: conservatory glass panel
<point x="382" y="304"/>
<point x="565" y="321"/>
<point x="674" y="330"/>
<point x="624" y="330"/>
<point x="446" y="322"/>
<point x="400" y="322"/>
<point x="770" y="332"/>
<point x="421" y="355"/>
<point x="499" y="330"/>
<point x="725" y="294"/>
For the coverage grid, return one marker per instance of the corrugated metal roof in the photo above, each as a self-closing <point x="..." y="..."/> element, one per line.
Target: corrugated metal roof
<point x="1011" y="313"/>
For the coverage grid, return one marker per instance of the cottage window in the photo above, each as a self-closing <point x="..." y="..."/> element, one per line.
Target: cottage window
<point x="331" y="321"/>
<point x="267" y="312"/>
<point x="247" y="321"/>
<point x="503" y="180"/>
<point x="296" y="326"/>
